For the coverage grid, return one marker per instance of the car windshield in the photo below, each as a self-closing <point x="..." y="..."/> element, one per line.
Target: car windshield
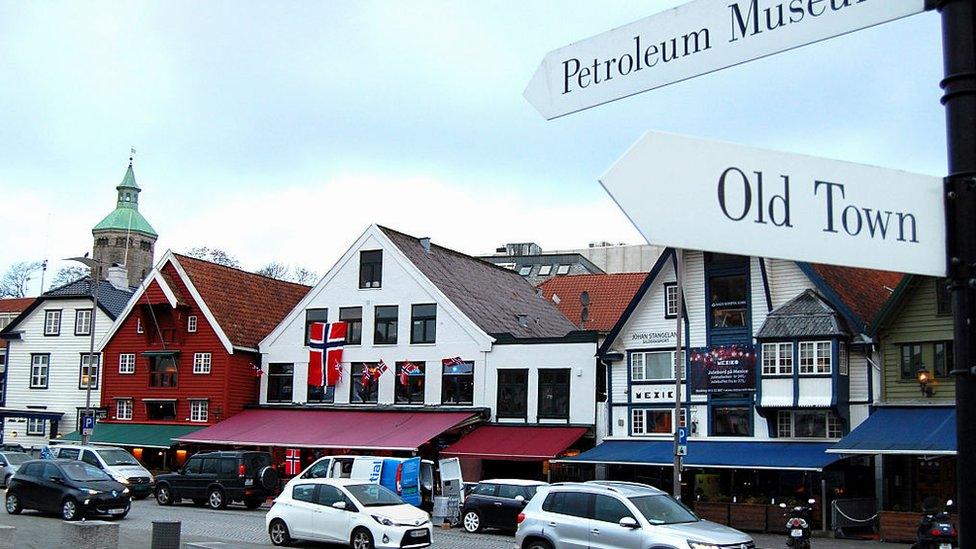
<point x="663" y="509"/>
<point x="373" y="495"/>
<point x="82" y="471"/>
<point x="117" y="457"/>
<point x="16" y="458"/>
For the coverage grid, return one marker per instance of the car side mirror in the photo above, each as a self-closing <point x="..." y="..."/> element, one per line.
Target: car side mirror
<point x="629" y="522"/>
<point x="520" y="498"/>
<point x="339" y="505"/>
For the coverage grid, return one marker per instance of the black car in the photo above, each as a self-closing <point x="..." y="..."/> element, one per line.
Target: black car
<point x="497" y="503"/>
<point x="73" y="488"/>
<point x="218" y="478"/>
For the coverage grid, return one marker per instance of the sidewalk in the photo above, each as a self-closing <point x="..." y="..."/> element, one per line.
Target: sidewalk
<point x="770" y="541"/>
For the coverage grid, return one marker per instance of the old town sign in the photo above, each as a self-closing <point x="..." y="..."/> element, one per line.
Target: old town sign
<point x="721" y="197"/>
<point x="693" y="39"/>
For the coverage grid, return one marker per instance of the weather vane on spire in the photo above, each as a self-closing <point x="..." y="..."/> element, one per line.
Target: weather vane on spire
<point x="132" y="152"/>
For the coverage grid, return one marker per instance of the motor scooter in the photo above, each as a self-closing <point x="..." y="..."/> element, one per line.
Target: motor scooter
<point x="798" y="525"/>
<point x="935" y="530"/>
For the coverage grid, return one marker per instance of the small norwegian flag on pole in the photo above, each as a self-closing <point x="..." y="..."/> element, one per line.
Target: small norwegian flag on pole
<point x="406" y="370"/>
<point x="456" y="361"/>
<point x="258" y="372"/>
<point x="366" y="377"/>
<point x="381" y="369"/>
<point x="293" y="461"/>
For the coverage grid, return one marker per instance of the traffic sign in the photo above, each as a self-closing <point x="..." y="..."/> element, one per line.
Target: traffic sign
<point x="719" y="197"/>
<point x="87" y="424"/>
<point x="681" y="444"/>
<point x="690" y="40"/>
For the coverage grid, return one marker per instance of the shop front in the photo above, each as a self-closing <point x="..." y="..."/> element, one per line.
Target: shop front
<point x="506" y="451"/>
<point x="154" y="446"/>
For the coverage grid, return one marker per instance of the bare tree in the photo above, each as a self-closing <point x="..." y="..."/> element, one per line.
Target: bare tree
<point x="15" y="280"/>
<point x="274" y="270"/>
<point x="214" y="255"/>
<point x="67" y="275"/>
<point x="303" y="275"/>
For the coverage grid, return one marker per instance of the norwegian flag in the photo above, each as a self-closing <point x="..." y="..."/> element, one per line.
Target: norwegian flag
<point x="366" y="377"/>
<point x="256" y="370"/>
<point x="325" y="353"/>
<point x="406" y="370"/>
<point x="293" y="461"/>
<point x="456" y="361"/>
<point x="381" y="369"/>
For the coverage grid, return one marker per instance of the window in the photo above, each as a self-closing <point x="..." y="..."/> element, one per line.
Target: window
<point x="191" y="323"/>
<point x="127" y="363"/>
<point x="777" y="359"/>
<point x="201" y="363"/>
<point x="835" y="426"/>
<point x="943" y="359"/>
<point x="729" y="302"/>
<point x="314" y="315"/>
<point x="457" y="384"/>
<point x="228" y="467"/>
<point x="52" y="323"/>
<point x="88" y="373"/>
<point x="648" y="421"/>
<point x="199" y="410"/>
<point x="364" y="383"/>
<point x="809" y="424"/>
<point x="843" y="359"/>
<point x="89" y="457"/>
<point x="911" y="360"/>
<point x="161" y="410"/>
<point x="574" y="504"/>
<point x="194" y="466"/>
<point x="280" y="382"/>
<point x="386" y="325"/>
<point x="139" y="328"/>
<point x="653" y="365"/>
<point x="815" y="357"/>
<point x="943" y="302"/>
<point x="304" y="492"/>
<point x="485" y="489"/>
<point x="353" y="317"/>
<point x="40" y="366"/>
<point x="162" y="371"/>
<point x="423" y="323"/>
<point x="36" y="426"/>
<point x="329" y="495"/>
<point x="210" y="466"/>
<point x="545" y="270"/>
<point x="525" y="270"/>
<point x="513" y="394"/>
<point x="730" y="421"/>
<point x="609" y="509"/>
<point x="83" y="318"/>
<point x="123" y="409"/>
<point x="410" y="382"/>
<point x="784" y="424"/>
<point x="670" y="300"/>
<point x="554" y="393"/>
<point x="370" y="269"/>
<point x="320" y="394"/>
<point x="562" y="269"/>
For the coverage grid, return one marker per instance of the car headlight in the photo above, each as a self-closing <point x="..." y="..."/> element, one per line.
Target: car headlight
<point x="122" y="479"/>
<point x="382" y="520"/>
<point x="125" y="490"/>
<point x="701" y="545"/>
<point x="93" y="492"/>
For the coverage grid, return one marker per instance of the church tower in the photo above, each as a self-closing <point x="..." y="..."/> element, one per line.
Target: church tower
<point x="124" y="237"/>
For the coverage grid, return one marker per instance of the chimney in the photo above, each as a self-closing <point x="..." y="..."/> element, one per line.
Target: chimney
<point x="118" y="277"/>
<point x="425" y="242"/>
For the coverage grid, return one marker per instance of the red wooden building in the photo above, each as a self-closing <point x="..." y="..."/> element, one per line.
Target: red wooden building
<point x="183" y="355"/>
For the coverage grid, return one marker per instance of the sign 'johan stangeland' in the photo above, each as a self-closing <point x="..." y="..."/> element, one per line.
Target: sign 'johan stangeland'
<point x="721" y="197"/>
<point x="696" y="38"/>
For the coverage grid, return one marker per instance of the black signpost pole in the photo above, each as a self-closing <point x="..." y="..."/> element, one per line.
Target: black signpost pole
<point x="959" y="85"/>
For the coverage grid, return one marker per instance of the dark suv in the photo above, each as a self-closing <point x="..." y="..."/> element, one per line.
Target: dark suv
<point x="497" y="503"/>
<point x="217" y="478"/>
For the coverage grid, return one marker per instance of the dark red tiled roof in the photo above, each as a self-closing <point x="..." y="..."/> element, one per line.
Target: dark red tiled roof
<point x="15" y="304"/>
<point x="609" y="296"/>
<point x="864" y="291"/>
<point x="246" y="305"/>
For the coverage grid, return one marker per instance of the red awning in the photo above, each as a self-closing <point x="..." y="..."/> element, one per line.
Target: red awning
<point x="363" y="430"/>
<point x="515" y="443"/>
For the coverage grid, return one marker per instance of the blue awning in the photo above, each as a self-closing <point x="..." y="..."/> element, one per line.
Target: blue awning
<point x="910" y="430"/>
<point x="760" y="454"/>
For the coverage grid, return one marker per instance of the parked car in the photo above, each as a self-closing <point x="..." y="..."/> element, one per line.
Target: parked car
<point x="218" y="478"/>
<point x="72" y="488"/>
<point x="9" y="462"/>
<point x="617" y="514"/>
<point x="118" y="463"/>
<point x="360" y="514"/>
<point x="497" y="503"/>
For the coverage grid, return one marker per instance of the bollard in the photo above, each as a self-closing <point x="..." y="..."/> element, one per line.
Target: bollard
<point x="166" y="534"/>
<point x="90" y="534"/>
<point x="7" y="539"/>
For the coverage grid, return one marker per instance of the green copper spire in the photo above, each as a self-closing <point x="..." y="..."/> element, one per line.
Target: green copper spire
<point x="126" y="216"/>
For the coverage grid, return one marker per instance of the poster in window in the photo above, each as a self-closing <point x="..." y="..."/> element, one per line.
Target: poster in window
<point x="723" y="369"/>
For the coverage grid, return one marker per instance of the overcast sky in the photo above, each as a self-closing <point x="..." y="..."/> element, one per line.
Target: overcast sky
<point x="280" y="130"/>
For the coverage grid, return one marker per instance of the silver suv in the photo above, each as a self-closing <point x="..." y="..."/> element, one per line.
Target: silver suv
<point x="619" y="515"/>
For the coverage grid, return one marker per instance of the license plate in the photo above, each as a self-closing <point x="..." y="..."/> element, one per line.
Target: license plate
<point x="418" y="533"/>
<point x="796" y="533"/>
<point x="116" y="511"/>
<point x="249" y="482"/>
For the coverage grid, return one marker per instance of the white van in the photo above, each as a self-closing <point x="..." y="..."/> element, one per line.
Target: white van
<point x="118" y="463"/>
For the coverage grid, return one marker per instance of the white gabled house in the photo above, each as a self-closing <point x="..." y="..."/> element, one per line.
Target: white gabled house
<point x="524" y="389"/>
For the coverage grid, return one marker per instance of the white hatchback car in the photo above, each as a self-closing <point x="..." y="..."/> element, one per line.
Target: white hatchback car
<point x="358" y="513"/>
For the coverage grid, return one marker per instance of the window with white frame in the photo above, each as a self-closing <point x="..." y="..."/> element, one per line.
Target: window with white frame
<point x="83" y="319"/>
<point x="199" y="410"/>
<point x="843" y="359"/>
<point x="127" y="363"/>
<point x="40" y="367"/>
<point x="52" y="323"/>
<point x="809" y="424"/>
<point x="562" y="269"/>
<point x="777" y="359"/>
<point x="191" y="323"/>
<point x="815" y="357"/>
<point x="651" y="421"/>
<point x="652" y="365"/>
<point x="670" y="300"/>
<point x="123" y="409"/>
<point x="36" y="426"/>
<point x="544" y="270"/>
<point x="201" y="363"/>
<point x="88" y="375"/>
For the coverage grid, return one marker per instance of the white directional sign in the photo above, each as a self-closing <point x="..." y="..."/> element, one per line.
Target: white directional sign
<point x="719" y="197"/>
<point x="693" y="39"/>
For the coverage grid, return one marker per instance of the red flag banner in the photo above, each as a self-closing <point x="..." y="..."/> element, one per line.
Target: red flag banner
<point x="325" y="344"/>
<point x="293" y="461"/>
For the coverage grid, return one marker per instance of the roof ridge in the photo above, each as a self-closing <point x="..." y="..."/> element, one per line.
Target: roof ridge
<point x="452" y="251"/>
<point x="241" y="270"/>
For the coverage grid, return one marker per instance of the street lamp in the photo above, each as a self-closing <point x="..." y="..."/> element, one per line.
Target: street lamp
<point x="93" y="274"/>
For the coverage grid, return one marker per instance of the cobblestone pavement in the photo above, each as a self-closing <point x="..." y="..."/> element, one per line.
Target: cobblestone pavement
<point x="240" y="528"/>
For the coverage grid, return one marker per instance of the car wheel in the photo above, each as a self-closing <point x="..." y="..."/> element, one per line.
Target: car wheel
<point x="472" y="522"/>
<point x="253" y="503"/>
<point x="539" y="544"/>
<point x="13" y="504"/>
<point x="69" y="509"/>
<point x="278" y="531"/>
<point x="215" y="499"/>
<point x="164" y="496"/>
<point x="361" y="539"/>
